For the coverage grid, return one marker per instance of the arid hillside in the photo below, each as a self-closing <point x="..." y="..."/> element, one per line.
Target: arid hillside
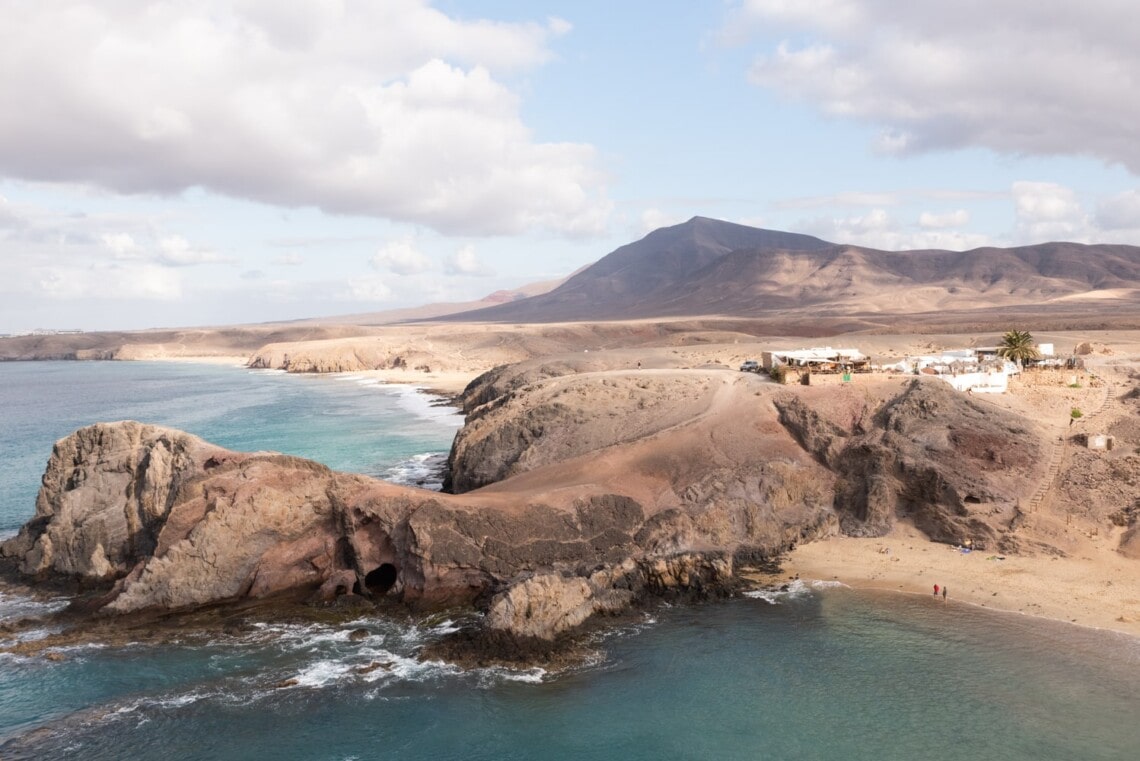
<point x="707" y="267"/>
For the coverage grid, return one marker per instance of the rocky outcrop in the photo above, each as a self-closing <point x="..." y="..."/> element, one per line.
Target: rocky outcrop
<point x="106" y="494"/>
<point x="548" y="604"/>
<point x="950" y="463"/>
<point x="564" y="416"/>
<point x="160" y="520"/>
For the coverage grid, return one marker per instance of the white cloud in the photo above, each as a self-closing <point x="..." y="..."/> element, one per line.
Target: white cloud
<point x="401" y="257"/>
<point x="1120" y="212"/>
<point x="367" y="288"/>
<point x="390" y="109"/>
<point x="879" y="229"/>
<point x="113" y="259"/>
<point x="848" y="198"/>
<point x="1015" y="77"/>
<point x="874" y="222"/>
<point x="9" y="217"/>
<point x="110" y="282"/>
<point x="122" y="245"/>
<point x="176" y="251"/>
<point x="653" y="219"/>
<point x="938" y="221"/>
<point x="465" y="262"/>
<point x="167" y="250"/>
<point x="289" y="260"/>
<point x="875" y="198"/>
<point x="1047" y="211"/>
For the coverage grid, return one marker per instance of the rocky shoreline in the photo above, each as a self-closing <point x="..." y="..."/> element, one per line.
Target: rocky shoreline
<point x="577" y="495"/>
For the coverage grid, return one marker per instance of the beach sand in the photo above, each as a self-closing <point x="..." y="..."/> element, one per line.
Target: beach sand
<point x="438" y="383"/>
<point x="1095" y="587"/>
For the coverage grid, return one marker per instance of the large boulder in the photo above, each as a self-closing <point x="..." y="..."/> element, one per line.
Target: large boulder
<point x="105" y="496"/>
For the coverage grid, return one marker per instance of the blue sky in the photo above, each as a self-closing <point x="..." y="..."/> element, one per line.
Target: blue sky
<point x="205" y="162"/>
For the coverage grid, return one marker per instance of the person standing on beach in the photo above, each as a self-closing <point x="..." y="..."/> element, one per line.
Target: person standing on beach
<point x="944" y="593"/>
<point x="935" y="590"/>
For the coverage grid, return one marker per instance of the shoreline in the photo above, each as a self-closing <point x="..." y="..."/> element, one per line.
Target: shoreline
<point x="443" y="385"/>
<point x="205" y="359"/>
<point x="1092" y="586"/>
<point x="1090" y="589"/>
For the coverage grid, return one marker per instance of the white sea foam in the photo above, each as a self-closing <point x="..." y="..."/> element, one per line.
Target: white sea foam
<point x="322" y="673"/>
<point x="793" y="590"/>
<point x="489" y="677"/>
<point x="424" y="470"/>
<point x="14" y="607"/>
<point x="312" y="636"/>
<point x="820" y="584"/>
<point x="165" y="701"/>
<point x="388" y="654"/>
<point x="445" y="627"/>
<point x="775" y="595"/>
<point x="426" y="406"/>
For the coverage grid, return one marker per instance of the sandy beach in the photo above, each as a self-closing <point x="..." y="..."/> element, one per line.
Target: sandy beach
<point x="1097" y="588"/>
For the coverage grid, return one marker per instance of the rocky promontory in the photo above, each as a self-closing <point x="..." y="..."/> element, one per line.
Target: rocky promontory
<point x="576" y="493"/>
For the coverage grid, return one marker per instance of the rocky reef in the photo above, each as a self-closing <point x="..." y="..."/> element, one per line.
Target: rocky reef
<point x="576" y="494"/>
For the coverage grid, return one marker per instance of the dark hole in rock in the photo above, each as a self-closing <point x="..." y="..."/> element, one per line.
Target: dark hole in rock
<point x="379" y="580"/>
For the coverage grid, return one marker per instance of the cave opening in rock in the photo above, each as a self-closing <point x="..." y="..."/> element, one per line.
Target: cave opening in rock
<point x="380" y="579"/>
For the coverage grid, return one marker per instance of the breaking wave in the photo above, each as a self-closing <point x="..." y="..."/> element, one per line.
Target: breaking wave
<point x="792" y="590"/>
<point x="423" y="470"/>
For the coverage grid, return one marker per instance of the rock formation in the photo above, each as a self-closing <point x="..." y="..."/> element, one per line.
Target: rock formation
<point x="582" y="493"/>
<point x="943" y="459"/>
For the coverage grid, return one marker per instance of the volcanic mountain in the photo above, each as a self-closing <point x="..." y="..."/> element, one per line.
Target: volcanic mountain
<point x="709" y="267"/>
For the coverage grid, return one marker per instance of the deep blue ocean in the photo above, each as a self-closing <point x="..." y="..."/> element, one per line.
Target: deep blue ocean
<point x="805" y="673"/>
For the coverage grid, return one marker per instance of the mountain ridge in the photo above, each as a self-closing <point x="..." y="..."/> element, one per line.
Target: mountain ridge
<point x="706" y="267"/>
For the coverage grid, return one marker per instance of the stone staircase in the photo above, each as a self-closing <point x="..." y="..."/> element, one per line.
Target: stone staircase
<point x="1108" y="403"/>
<point x="1045" y="488"/>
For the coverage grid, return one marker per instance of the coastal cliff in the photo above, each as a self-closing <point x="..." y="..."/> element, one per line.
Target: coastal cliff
<point x="581" y="494"/>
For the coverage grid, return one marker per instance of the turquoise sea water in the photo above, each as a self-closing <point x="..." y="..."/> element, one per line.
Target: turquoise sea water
<point x="801" y="674"/>
<point x="345" y="421"/>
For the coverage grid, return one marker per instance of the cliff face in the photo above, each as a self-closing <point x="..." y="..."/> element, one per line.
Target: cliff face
<point x="105" y="496"/>
<point x="953" y="465"/>
<point x="938" y="457"/>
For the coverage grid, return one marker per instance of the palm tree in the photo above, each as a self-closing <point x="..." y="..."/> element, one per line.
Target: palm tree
<point x="1017" y="346"/>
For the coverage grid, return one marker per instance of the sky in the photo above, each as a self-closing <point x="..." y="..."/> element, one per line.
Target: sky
<point x="215" y="162"/>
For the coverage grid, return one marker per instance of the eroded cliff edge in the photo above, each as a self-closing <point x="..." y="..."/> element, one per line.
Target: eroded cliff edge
<point x="580" y="493"/>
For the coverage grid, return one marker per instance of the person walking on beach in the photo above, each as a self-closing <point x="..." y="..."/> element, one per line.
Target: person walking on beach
<point x="935" y="590"/>
<point x="944" y="593"/>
